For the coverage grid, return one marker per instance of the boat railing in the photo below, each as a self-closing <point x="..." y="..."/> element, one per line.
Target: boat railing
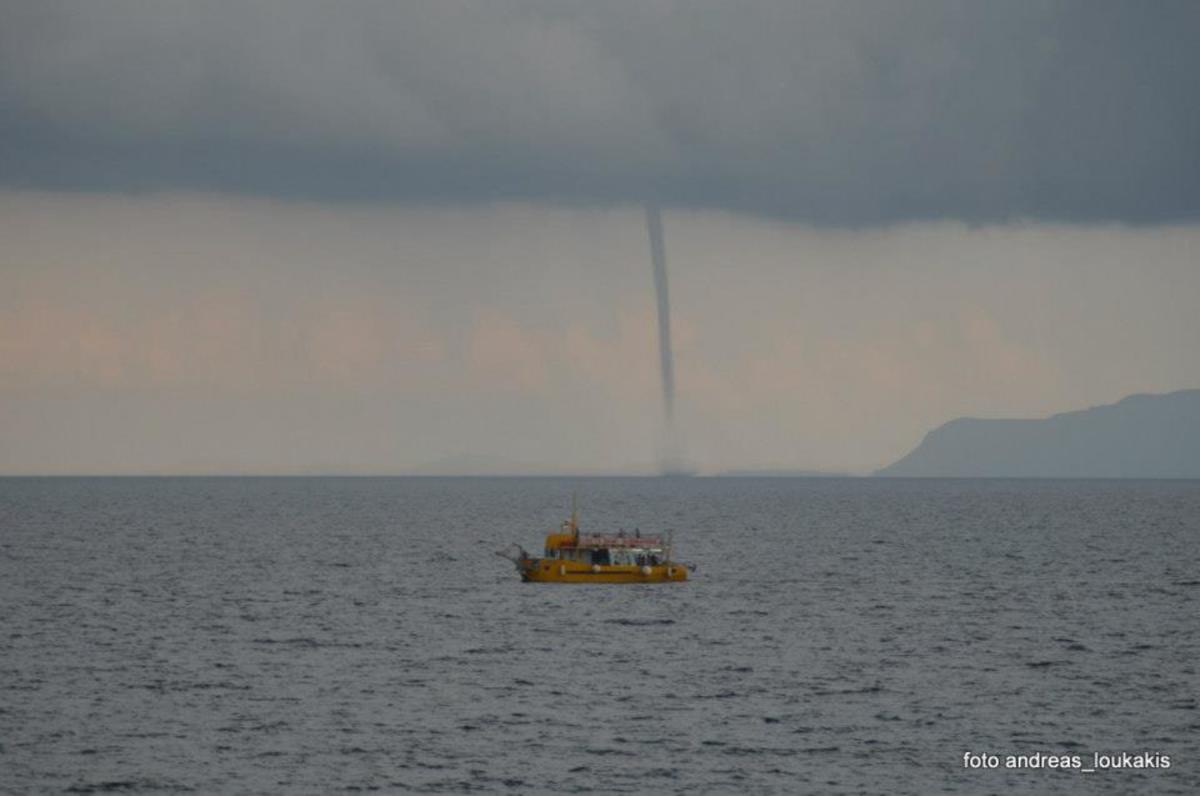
<point x="618" y="540"/>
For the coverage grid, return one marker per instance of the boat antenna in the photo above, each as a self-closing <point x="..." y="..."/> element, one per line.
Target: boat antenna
<point x="575" y="515"/>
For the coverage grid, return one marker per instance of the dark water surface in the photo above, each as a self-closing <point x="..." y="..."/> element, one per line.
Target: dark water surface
<point x="847" y="635"/>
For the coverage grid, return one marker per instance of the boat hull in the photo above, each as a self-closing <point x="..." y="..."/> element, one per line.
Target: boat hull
<point x="548" y="570"/>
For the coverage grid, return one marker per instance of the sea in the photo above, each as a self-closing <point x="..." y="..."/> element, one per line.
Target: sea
<point x="838" y="635"/>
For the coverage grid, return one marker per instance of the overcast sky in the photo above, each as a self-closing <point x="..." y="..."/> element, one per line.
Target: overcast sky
<point x="394" y="237"/>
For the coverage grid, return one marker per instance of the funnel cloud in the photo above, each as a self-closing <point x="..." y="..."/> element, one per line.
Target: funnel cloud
<point x="672" y="458"/>
<point x="658" y="257"/>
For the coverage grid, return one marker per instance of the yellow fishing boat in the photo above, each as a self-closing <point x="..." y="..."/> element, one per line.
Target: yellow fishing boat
<point x="574" y="557"/>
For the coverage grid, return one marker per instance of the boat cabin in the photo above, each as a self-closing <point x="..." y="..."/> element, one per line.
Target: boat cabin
<point x="605" y="549"/>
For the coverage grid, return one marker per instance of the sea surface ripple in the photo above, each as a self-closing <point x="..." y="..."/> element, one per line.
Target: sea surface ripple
<point x="313" y="635"/>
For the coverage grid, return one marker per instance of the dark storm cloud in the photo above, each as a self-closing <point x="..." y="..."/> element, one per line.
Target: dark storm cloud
<point x="839" y="112"/>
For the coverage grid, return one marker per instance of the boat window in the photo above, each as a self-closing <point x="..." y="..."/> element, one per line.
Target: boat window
<point x="600" y="557"/>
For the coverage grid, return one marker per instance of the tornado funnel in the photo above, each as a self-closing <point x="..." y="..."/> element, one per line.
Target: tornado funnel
<point x="658" y="257"/>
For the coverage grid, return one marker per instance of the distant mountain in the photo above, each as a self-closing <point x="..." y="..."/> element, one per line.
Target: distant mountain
<point x="1142" y="436"/>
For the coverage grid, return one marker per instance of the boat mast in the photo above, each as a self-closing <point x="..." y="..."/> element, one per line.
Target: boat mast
<point x="575" y="516"/>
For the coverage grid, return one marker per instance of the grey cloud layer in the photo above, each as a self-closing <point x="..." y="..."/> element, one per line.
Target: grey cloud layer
<point x="840" y="113"/>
